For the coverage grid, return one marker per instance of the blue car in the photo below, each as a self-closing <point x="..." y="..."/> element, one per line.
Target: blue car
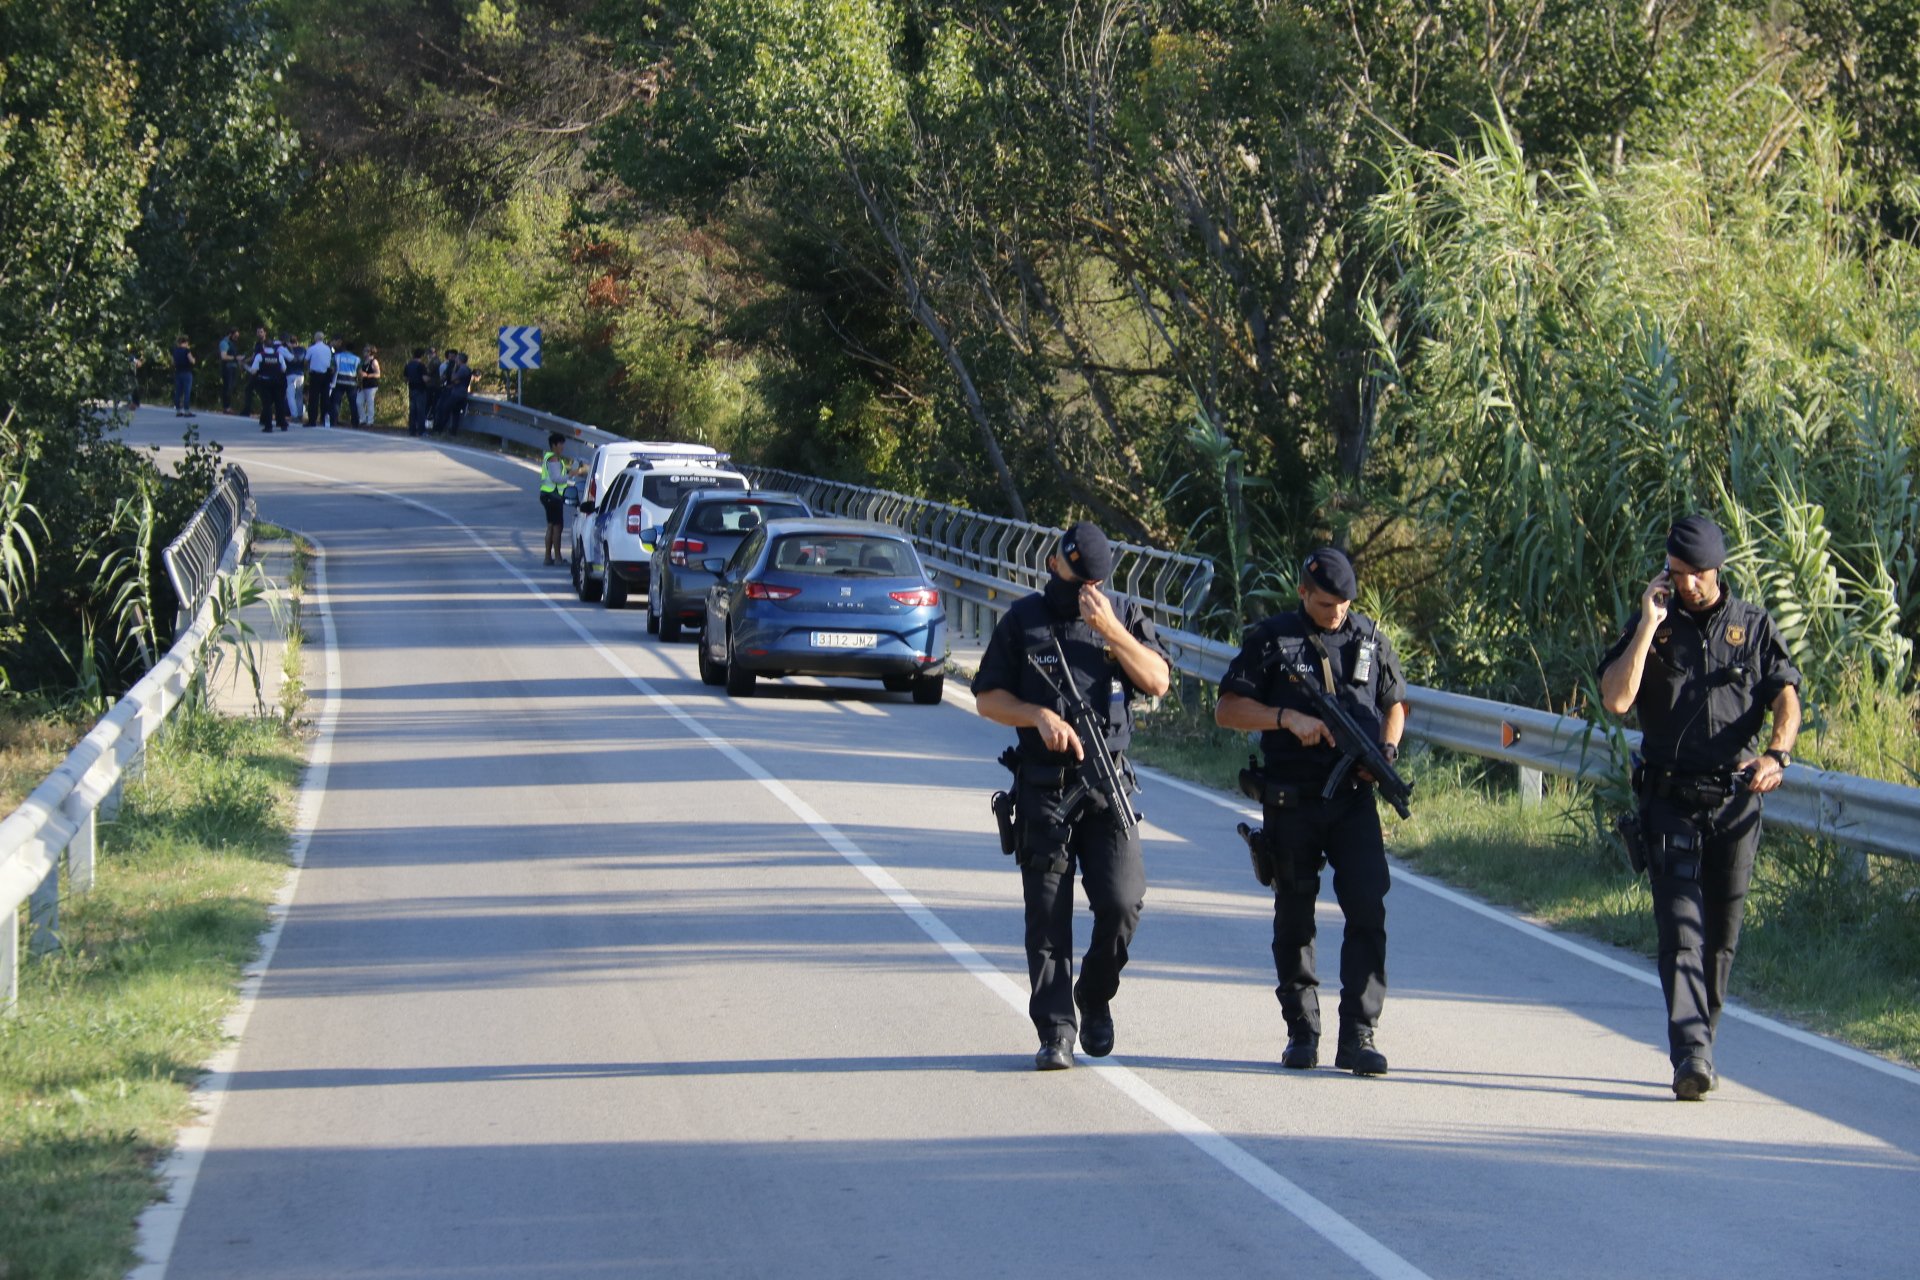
<point x="819" y="597"/>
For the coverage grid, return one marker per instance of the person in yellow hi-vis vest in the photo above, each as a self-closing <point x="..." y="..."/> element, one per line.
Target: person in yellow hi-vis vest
<point x="554" y="474"/>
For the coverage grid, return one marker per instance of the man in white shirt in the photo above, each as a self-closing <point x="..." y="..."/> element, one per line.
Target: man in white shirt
<point x="319" y="382"/>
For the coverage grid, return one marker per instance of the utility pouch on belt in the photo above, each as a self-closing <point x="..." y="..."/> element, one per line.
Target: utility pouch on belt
<point x="1264" y="791"/>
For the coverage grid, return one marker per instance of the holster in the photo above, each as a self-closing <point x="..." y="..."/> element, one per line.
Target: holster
<point x="1627" y="827"/>
<point x="1004" y="818"/>
<point x="1673" y="844"/>
<point x="1256" y="838"/>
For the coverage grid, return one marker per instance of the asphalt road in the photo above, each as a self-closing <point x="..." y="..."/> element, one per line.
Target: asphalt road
<point x="592" y="971"/>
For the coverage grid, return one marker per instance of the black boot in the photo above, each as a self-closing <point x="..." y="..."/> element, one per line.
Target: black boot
<point x="1303" y="1048"/>
<point x="1054" y="1055"/>
<point x="1693" y="1079"/>
<point x="1357" y="1054"/>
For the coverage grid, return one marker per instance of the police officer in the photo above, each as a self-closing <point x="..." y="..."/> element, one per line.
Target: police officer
<point x="1342" y="652"/>
<point x="268" y="367"/>
<point x="1110" y="653"/>
<point x="1702" y="678"/>
<point x="554" y="474"/>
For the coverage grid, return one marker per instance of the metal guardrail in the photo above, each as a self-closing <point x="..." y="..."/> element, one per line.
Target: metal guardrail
<point x="57" y="823"/>
<point x="193" y="558"/>
<point x="989" y="562"/>
<point x="1002" y="554"/>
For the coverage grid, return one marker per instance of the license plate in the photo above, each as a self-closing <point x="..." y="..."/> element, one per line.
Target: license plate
<point x="844" y="639"/>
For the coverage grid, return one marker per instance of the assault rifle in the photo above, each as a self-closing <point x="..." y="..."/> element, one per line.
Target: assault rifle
<point x="1100" y="781"/>
<point x="1357" y="748"/>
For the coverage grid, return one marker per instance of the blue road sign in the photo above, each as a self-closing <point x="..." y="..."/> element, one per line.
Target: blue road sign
<point x="519" y="346"/>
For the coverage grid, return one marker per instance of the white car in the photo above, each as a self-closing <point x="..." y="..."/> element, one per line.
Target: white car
<point x="614" y="559"/>
<point x="608" y="461"/>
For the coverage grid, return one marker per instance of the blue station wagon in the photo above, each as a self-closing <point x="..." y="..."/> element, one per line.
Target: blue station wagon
<point x="822" y="597"/>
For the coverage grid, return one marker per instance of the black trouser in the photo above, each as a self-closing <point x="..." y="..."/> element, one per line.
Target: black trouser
<point x="227" y="374"/>
<point x="319" y="401"/>
<point x="253" y="384"/>
<point x="273" y="400"/>
<point x="1699" y="901"/>
<point x="416" y="410"/>
<point x="334" y="396"/>
<point x="1115" y="878"/>
<point x="1344" y="833"/>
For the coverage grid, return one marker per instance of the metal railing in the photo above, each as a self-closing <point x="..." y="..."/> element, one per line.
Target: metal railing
<point x="57" y="823"/>
<point x="988" y="562"/>
<point x="193" y="558"/>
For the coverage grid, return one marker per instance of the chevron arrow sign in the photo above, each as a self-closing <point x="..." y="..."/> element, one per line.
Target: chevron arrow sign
<point x="519" y="346"/>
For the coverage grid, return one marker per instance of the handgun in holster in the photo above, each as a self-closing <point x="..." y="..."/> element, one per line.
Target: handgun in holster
<point x="1003" y="817"/>
<point x="1256" y="838"/>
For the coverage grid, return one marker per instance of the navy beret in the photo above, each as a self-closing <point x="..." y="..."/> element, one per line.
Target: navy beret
<point x="1331" y="571"/>
<point x="1088" y="554"/>
<point x="1697" y="541"/>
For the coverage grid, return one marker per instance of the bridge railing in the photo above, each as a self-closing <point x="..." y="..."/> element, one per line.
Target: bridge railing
<point x="988" y="562"/>
<point x="57" y="823"/>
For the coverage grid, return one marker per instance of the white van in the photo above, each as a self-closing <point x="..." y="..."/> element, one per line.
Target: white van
<point x="661" y="472"/>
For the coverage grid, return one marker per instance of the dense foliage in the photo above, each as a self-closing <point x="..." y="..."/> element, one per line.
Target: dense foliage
<point x="1487" y="292"/>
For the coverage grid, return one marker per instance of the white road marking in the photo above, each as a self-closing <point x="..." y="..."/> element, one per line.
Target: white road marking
<point x="159" y="1224"/>
<point x="1376" y="1258"/>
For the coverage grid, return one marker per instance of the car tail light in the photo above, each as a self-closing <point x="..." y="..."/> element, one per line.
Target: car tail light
<point x="684" y="547"/>
<point x="766" y="591"/>
<point x="636" y="518"/>
<point x="917" y="598"/>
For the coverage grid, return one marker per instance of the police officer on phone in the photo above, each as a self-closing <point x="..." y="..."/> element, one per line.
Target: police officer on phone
<point x="1346" y="655"/>
<point x="1702" y="669"/>
<point x="1109" y="651"/>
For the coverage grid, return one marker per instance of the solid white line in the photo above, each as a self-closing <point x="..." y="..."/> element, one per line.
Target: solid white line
<point x="1374" y="1257"/>
<point x="159" y="1225"/>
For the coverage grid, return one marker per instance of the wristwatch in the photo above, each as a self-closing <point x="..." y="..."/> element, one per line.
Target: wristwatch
<point x="1785" y="757"/>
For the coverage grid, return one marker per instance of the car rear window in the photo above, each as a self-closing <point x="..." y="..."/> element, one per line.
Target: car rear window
<point x="665" y="488"/>
<point x="721" y="516"/>
<point x="858" y="554"/>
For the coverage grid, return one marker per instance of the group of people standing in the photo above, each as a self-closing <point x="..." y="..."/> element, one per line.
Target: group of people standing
<point x="313" y="383"/>
<point x="310" y="383"/>
<point x="1701" y="669"/>
<point x="438" y="387"/>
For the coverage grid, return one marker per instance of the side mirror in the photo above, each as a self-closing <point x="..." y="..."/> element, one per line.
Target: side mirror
<point x="717" y="564"/>
<point x="586" y="508"/>
<point x="651" y="535"/>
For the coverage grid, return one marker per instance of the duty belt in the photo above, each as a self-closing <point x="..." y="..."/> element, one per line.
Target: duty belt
<point x="1695" y="790"/>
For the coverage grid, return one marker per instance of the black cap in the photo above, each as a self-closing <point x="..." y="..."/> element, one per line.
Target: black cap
<point x="1697" y="541"/>
<point x="1088" y="555"/>
<point x="1331" y="571"/>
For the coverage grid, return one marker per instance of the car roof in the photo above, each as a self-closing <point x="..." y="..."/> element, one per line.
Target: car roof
<point x="696" y="496"/>
<point x="827" y="524"/>
<point x="661" y="447"/>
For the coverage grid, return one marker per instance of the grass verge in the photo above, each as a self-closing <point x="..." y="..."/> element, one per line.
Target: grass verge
<point x="1826" y="943"/>
<point x="96" y="1070"/>
<point x="34" y="738"/>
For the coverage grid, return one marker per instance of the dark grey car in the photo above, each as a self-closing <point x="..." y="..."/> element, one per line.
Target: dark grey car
<point x="706" y="524"/>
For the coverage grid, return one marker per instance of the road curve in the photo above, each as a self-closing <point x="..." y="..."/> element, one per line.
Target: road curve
<point x="593" y="971"/>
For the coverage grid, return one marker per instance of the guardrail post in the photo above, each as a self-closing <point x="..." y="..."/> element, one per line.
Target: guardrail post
<point x="1532" y="787"/>
<point x="82" y="851"/>
<point x="43" y="914"/>
<point x="10" y="965"/>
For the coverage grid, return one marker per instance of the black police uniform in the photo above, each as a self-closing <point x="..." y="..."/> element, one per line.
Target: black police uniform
<point x="269" y="369"/>
<point x="1305" y="831"/>
<point x="1708" y="682"/>
<point x="1111" y="869"/>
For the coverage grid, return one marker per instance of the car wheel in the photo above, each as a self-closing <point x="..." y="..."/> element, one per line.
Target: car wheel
<point x="927" y="690"/>
<point x="739" y="679"/>
<point x="653" y="623"/>
<point x="584" y="587"/>
<point x="669" y="626"/>
<point x="896" y="684"/>
<point x="711" y="672"/>
<point x="616" y="590"/>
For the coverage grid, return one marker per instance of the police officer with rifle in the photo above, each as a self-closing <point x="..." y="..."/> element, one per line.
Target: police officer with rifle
<point x="1060" y="668"/>
<point x="1323" y="688"/>
<point x="1702" y="677"/>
